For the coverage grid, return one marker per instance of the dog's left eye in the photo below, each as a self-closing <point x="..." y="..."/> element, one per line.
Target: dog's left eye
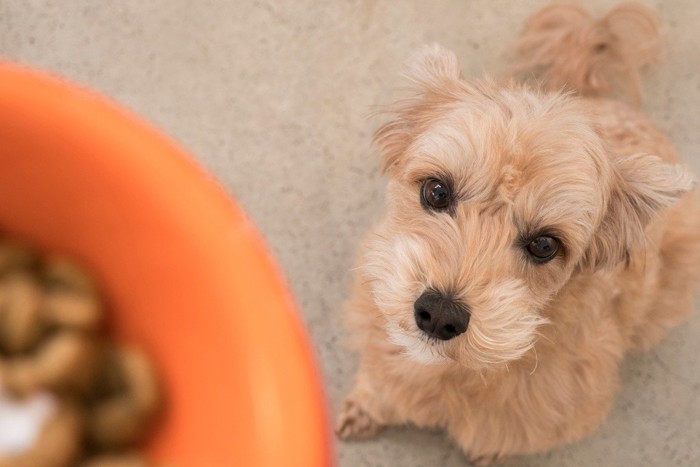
<point x="436" y="194"/>
<point x="543" y="248"/>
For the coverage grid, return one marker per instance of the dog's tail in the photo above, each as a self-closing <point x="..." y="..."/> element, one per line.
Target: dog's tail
<point x="563" y="48"/>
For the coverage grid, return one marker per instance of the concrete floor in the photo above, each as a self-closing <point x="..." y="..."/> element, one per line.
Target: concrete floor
<point x="273" y="98"/>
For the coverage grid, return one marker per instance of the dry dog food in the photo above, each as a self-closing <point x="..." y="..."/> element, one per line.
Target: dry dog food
<point x="68" y="395"/>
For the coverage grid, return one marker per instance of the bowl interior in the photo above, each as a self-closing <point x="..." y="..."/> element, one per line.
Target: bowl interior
<point x="186" y="275"/>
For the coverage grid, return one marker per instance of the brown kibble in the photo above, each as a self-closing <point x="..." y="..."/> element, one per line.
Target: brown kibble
<point x="141" y="380"/>
<point x="114" y="424"/>
<point x="124" y="409"/>
<point x="68" y="361"/>
<point x="21" y="376"/>
<point x="63" y="274"/>
<point x="15" y="256"/>
<point x="50" y="317"/>
<point x="116" y="460"/>
<point x="20" y="320"/>
<point x="78" y="311"/>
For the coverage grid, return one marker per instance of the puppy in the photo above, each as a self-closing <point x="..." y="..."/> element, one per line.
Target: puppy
<point x="533" y="236"/>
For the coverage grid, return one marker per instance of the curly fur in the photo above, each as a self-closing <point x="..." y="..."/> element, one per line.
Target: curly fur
<point x="538" y="365"/>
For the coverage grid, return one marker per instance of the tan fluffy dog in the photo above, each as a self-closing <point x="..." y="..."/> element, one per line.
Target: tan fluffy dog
<point x="532" y="237"/>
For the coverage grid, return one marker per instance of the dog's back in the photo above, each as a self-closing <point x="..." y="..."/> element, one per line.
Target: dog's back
<point x="564" y="48"/>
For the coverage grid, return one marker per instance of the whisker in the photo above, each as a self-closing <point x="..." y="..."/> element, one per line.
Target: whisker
<point x="537" y="360"/>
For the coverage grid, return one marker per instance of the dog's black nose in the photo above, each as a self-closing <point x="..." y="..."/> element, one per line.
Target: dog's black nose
<point x="439" y="316"/>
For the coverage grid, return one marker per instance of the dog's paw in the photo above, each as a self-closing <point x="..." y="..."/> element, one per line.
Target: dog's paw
<point x="486" y="460"/>
<point x="355" y="423"/>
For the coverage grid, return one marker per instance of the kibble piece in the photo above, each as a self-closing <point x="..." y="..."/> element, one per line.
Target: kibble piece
<point x="61" y="273"/>
<point x="115" y="460"/>
<point x="126" y="401"/>
<point x="20" y="317"/>
<point x="71" y="297"/>
<point x="66" y="361"/>
<point x="72" y="310"/>
<point x="15" y="256"/>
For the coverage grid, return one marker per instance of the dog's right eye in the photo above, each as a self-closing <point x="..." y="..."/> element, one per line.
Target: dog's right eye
<point x="436" y="194"/>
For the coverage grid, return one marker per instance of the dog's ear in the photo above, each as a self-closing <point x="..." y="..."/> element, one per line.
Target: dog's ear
<point x="433" y="72"/>
<point x="642" y="186"/>
<point x="432" y="67"/>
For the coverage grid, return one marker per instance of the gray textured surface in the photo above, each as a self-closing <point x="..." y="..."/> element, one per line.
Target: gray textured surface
<point x="272" y="97"/>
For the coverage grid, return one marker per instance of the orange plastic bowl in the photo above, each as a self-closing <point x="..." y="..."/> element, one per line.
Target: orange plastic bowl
<point x="187" y="276"/>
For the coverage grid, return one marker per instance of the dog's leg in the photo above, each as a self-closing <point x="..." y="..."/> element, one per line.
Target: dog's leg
<point x="666" y="313"/>
<point x="679" y="274"/>
<point x="354" y="422"/>
<point x="487" y="460"/>
<point x="363" y="414"/>
<point x="464" y="440"/>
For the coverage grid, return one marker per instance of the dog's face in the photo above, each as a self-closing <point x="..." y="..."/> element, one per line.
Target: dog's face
<point x="497" y="197"/>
